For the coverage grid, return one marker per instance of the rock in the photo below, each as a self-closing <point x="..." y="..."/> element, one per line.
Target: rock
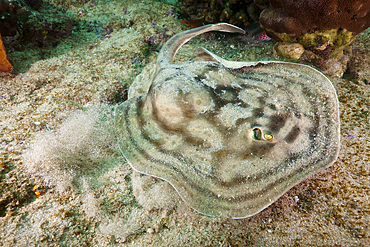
<point x="288" y="50"/>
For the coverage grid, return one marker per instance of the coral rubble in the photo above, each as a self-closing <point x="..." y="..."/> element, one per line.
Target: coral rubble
<point x="239" y="13"/>
<point x="12" y="17"/>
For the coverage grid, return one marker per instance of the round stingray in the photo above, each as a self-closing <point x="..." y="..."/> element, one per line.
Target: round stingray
<point x="232" y="141"/>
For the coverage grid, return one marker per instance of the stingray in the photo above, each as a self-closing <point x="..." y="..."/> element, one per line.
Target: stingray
<point x="230" y="137"/>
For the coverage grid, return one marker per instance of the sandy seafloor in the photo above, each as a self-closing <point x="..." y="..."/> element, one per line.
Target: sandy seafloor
<point x="331" y="208"/>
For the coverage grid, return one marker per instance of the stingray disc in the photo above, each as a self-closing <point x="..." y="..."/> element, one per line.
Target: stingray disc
<point x="231" y="141"/>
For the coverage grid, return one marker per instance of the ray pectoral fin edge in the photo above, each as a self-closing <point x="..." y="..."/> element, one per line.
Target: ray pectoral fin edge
<point x="203" y="54"/>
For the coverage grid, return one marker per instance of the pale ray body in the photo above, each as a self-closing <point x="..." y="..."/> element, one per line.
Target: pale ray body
<point x="230" y="137"/>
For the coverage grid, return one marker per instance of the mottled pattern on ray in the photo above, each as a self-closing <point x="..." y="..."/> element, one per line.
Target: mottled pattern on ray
<point x="231" y="137"/>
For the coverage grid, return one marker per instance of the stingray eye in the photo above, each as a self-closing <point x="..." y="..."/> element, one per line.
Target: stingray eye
<point x="257" y="133"/>
<point x="268" y="137"/>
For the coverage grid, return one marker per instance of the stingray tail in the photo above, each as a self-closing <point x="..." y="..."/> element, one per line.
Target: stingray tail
<point x="170" y="48"/>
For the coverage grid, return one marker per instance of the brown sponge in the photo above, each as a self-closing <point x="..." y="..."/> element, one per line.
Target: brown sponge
<point x="297" y="17"/>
